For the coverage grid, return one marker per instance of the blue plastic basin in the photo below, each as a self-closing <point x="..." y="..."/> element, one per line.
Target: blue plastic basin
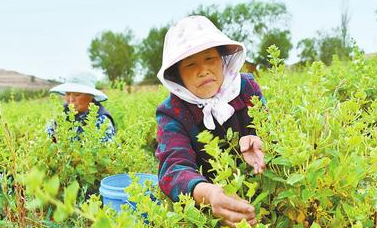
<point x="112" y="189"/>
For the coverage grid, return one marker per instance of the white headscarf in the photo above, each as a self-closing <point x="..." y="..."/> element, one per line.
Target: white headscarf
<point x="192" y="35"/>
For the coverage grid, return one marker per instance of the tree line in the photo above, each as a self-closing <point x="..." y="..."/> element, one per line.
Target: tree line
<point x="256" y="24"/>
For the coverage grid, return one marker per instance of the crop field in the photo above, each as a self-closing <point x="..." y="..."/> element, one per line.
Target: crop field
<point x="319" y="135"/>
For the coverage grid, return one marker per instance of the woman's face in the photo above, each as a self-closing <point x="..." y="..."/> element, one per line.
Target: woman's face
<point x="80" y="101"/>
<point x="202" y="73"/>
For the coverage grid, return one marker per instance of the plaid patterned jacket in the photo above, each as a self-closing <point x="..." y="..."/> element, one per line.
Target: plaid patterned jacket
<point x="178" y="150"/>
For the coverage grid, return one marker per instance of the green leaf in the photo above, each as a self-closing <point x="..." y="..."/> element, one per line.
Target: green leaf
<point x="259" y="198"/>
<point x="35" y="203"/>
<point x="238" y="179"/>
<point x="281" y="161"/>
<point x="34" y="179"/>
<point x="261" y="226"/>
<point x="70" y="194"/>
<point x="230" y="189"/>
<point x="60" y="214"/>
<point x="251" y="188"/>
<point x="205" y="136"/>
<point x="294" y="178"/>
<point x="306" y="194"/>
<point x="214" y="222"/>
<point x="283" y="223"/>
<point x="212" y="147"/>
<point x="286" y="194"/>
<point x="348" y="209"/>
<point x="174" y="217"/>
<point x="193" y="215"/>
<point x="320" y="163"/>
<point x="313" y="177"/>
<point x="243" y="224"/>
<point x="225" y="174"/>
<point x="273" y="176"/>
<point x="51" y="186"/>
<point x="102" y="222"/>
<point x="334" y="168"/>
<point x="229" y="134"/>
<point x="315" y="225"/>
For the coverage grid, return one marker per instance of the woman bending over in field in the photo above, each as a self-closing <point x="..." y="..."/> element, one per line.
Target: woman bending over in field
<point x="79" y="92"/>
<point x="200" y="68"/>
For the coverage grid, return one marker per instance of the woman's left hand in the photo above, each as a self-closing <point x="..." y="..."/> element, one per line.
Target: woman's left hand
<point x="251" y="149"/>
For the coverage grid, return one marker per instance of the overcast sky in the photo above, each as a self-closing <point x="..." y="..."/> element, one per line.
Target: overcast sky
<point x="49" y="39"/>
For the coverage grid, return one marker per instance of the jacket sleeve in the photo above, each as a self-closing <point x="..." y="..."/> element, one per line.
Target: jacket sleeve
<point x="110" y="130"/>
<point x="50" y="128"/>
<point x="178" y="171"/>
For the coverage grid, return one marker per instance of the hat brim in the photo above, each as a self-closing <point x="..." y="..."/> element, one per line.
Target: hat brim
<point x="229" y="47"/>
<point x="79" y="88"/>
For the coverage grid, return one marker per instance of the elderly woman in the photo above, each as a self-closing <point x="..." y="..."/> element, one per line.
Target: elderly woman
<point x="200" y="68"/>
<point x="79" y="92"/>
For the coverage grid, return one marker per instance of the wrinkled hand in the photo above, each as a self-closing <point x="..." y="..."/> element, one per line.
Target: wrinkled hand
<point x="231" y="209"/>
<point x="251" y="149"/>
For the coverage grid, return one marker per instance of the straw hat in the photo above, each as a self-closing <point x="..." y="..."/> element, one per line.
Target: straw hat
<point x="82" y="83"/>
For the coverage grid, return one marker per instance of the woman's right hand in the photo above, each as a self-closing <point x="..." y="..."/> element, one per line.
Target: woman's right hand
<point x="231" y="210"/>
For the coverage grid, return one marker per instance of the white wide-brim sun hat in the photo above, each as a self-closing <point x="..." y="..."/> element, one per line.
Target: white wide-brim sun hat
<point x="192" y="35"/>
<point x="82" y="83"/>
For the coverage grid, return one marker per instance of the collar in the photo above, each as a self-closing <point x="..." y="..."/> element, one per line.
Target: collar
<point x="237" y="103"/>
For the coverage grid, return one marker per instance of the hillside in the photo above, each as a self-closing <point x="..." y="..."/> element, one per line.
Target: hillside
<point x="14" y="79"/>
<point x="371" y="55"/>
